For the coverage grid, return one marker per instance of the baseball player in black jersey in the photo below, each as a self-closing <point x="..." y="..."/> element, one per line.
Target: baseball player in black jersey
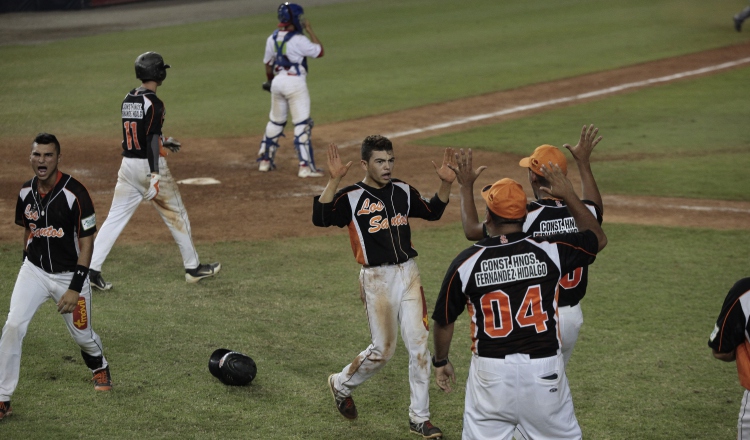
<point x="547" y="215"/>
<point x="59" y="222"/>
<point x="509" y="282"/>
<point x="729" y="342"/>
<point x="144" y="175"/>
<point x="377" y="212"/>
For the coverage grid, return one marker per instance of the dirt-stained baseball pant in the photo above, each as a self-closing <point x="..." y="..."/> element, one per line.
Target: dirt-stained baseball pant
<point x="132" y="183"/>
<point x="393" y="297"/>
<point x="289" y="94"/>
<point x="501" y="393"/>
<point x="33" y="287"/>
<point x="570" y="320"/>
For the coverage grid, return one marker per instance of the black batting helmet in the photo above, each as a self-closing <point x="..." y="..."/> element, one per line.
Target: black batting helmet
<point x="231" y="367"/>
<point x="150" y="67"/>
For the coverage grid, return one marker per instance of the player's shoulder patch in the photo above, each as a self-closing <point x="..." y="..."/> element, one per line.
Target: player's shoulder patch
<point x="89" y="222"/>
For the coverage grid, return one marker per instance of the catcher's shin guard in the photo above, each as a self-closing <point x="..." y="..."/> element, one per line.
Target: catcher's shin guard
<point x="270" y="144"/>
<point x="303" y="143"/>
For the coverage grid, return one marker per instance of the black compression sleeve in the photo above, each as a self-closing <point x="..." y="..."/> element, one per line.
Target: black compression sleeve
<point x="152" y="153"/>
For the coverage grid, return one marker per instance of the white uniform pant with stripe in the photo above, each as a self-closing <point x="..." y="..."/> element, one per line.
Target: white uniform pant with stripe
<point x="393" y="297"/>
<point x="532" y="394"/>
<point x="132" y="183"/>
<point x="571" y="320"/>
<point x="33" y="287"/>
<point x="743" y="423"/>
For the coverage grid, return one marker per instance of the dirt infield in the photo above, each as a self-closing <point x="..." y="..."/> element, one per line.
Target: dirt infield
<point x="249" y="205"/>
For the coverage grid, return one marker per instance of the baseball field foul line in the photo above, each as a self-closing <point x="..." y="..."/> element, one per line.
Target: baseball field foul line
<point x="536" y="105"/>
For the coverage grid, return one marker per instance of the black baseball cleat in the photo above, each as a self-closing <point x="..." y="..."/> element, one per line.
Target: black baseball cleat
<point x="97" y="282"/>
<point x="5" y="409"/>
<point x="737" y="23"/>
<point x="202" y="271"/>
<point x="425" y="429"/>
<point x="345" y="405"/>
<point x="102" y="380"/>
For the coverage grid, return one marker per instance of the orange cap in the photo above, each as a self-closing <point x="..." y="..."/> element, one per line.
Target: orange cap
<point x="542" y="156"/>
<point x="505" y="198"/>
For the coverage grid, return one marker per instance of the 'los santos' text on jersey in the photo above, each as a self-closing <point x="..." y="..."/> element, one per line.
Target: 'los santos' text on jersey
<point x="378" y="219"/>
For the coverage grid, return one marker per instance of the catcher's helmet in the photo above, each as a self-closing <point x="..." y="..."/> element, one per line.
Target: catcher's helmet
<point x="150" y="67"/>
<point x="232" y="368"/>
<point x="291" y="13"/>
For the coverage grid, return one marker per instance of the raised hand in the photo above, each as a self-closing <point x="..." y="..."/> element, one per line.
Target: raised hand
<point x="335" y="168"/>
<point x="446" y="170"/>
<point x="464" y="171"/>
<point x="582" y="150"/>
<point x="558" y="185"/>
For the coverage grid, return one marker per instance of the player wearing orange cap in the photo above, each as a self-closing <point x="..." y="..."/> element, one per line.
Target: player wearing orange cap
<point x="509" y="283"/>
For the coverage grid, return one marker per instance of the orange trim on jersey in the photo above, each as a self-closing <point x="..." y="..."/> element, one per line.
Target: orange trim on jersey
<point x="359" y="254"/>
<point x="57" y="180"/>
<point x="721" y="333"/>
<point x="448" y="288"/>
<point x="742" y="357"/>
<point x="574" y="247"/>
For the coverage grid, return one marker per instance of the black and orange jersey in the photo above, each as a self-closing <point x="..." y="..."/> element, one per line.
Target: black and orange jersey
<point x="548" y="217"/>
<point x="509" y="284"/>
<point x="732" y="327"/>
<point x="378" y="219"/>
<point x="142" y="119"/>
<point x="56" y="220"/>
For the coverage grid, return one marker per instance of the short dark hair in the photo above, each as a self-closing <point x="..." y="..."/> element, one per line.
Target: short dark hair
<point x="497" y="220"/>
<point x="375" y="142"/>
<point x="46" y="139"/>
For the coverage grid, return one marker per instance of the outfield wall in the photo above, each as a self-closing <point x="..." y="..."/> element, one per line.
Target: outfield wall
<point x="51" y="5"/>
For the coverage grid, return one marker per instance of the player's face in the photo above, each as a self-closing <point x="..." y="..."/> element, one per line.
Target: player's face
<point x="44" y="160"/>
<point x="379" y="168"/>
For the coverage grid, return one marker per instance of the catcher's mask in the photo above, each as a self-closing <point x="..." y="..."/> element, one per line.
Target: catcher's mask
<point x="150" y="67"/>
<point x="232" y="368"/>
<point x="291" y="13"/>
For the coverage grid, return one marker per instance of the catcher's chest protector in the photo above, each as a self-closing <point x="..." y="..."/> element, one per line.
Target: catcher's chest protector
<point x="281" y="59"/>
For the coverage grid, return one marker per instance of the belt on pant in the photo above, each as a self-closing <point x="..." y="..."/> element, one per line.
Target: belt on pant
<point x="387" y="263"/>
<point x="531" y="356"/>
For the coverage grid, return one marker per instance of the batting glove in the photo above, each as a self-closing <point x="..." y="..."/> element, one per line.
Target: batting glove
<point x="172" y="144"/>
<point x="153" y="187"/>
<point x="267" y="86"/>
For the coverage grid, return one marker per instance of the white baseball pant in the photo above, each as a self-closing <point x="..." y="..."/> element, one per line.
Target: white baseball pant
<point x="33" y="287"/>
<point x="132" y="183"/>
<point x="570" y="321"/>
<point x="517" y="391"/>
<point x="393" y="297"/>
<point x="743" y="422"/>
<point x="289" y="94"/>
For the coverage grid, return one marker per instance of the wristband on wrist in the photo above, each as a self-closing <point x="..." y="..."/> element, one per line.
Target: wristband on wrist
<point x="438" y="364"/>
<point x="79" y="276"/>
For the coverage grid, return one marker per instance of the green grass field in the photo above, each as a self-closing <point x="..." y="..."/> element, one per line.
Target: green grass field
<point x="641" y="368"/>
<point x="680" y="140"/>
<point x="404" y="54"/>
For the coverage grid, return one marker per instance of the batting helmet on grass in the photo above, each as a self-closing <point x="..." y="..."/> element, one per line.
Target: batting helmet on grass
<point x="232" y="368"/>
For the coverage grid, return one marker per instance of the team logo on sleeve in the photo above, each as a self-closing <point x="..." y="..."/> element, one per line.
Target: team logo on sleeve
<point x="89" y="222"/>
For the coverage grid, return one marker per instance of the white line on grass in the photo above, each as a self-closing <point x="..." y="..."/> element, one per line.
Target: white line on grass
<point x="536" y="105"/>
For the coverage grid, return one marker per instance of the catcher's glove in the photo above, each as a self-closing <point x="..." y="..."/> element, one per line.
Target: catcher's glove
<point x="267" y="86"/>
<point x="172" y="144"/>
